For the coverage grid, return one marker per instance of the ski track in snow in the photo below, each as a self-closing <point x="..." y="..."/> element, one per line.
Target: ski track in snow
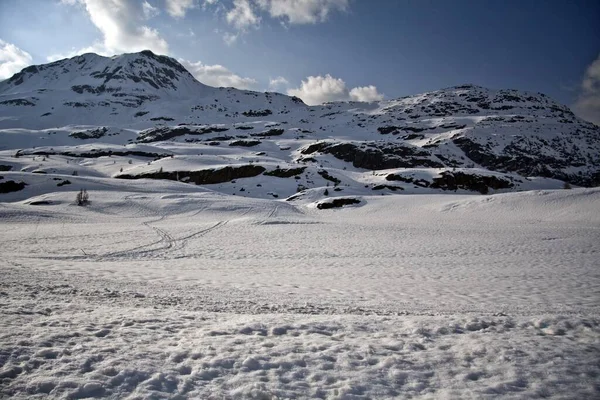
<point x="207" y="296"/>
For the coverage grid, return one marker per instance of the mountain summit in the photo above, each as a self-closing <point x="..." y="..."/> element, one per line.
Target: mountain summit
<point x="94" y="74"/>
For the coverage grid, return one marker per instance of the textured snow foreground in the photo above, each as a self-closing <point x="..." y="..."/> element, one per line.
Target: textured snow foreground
<point x="154" y="293"/>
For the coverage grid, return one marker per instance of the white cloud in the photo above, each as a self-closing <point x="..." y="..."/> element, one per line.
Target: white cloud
<point x="178" y="8"/>
<point x="278" y="83"/>
<point x="149" y="10"/>
<point x="321" y="89"/>
<point x="217" y="75"/>
<point x="365" y="93"/>
<point x="242" y="16"/>
<point x="230" y="38"/>
<point x="587" y="105"/>
<point x="302" y="11"/>
<point x="121" y="23"/>
<point x="12" y="59"/>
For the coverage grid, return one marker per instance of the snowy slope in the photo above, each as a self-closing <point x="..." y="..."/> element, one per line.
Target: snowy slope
<point x="460" y="136"/>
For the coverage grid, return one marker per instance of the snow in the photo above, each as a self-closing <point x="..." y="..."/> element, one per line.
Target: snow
<point x="153" y="292"/>
<point x="247" y="289"/>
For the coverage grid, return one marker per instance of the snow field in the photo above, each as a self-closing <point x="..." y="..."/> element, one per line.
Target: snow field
<point x="153" y="293"/>
<point x="78" y="351"/>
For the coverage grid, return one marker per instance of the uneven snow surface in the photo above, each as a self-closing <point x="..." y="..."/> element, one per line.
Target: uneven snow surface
<point x="164" y="290"/>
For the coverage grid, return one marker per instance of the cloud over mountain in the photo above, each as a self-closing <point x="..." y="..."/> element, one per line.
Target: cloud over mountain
<point x="321" y="89"/>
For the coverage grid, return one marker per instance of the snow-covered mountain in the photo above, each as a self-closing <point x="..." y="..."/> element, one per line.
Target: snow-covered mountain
<point x="145" y="116"/>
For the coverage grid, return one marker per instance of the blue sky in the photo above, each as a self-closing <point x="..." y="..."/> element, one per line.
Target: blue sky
<point x="327" y="50"/>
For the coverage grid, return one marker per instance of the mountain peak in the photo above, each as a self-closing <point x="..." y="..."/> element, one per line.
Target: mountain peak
<point x="90" y="72"/>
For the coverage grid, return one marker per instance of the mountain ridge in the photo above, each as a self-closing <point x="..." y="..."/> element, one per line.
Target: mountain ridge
<point x="464" y="133"/>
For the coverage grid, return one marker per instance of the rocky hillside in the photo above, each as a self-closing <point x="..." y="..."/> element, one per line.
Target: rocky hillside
<point x="148" y="116"/>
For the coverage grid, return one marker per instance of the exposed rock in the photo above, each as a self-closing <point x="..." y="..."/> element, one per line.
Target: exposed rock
<point x="527" y="158"/>
<point x="390" y="187"/>
<point x="285" y="173"/>
<point x="325" y="175"/>
<point x="376" y="156"/>
<point x="161" y="133"/>
<point x="11" y="186"/>
<point x="479" y="183"/>
<point x="94" y="153"/>
<point x="245" y="143"/>
<point x="270" y="132"/>
<point x="90" y="134"/>
<point x="257" y="113"/>
<point x="202" y="177"/>
<point x="17" y="102"/>
<point x="400" y="178"/>
<point x="336" y="203"/>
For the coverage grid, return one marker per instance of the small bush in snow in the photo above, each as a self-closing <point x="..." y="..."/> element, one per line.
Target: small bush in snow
<point x="82" y="198"/>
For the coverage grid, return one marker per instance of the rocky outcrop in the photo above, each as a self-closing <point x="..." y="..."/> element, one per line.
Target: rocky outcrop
<point x="476" y="183"/>
<point x="161" y="133"/>
<point x="377" y="156"/>
<point x="257" y="113"/>
<point x="11" y="186"/>
<point x="202" y="177"/>
<point x="454" y="180"/>
<point x="337" y="203"/>
<point x="270" y="132"/>
<point x="90" y="134"/>
<point x="285" y="173"/>
<point x="528" y="158"/>
<point x="245" y="143"/>
<point x="93" y="153"/>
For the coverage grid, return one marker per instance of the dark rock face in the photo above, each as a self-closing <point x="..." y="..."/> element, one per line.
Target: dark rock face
<point x="285" y="173"/>
<point x="325" y="175"/>
<point x="337" y="203"/>
<point x="390" y="187"/>
<point x="376" y="156"/>
<point x="90" y="134"/>
<point x="385" y="130"/>
<point x="163" y="74"/>
<point x="270" y="132"/>
<point x="458" y="180"/>
<point x="313" y="148"/>
<point x="161" y="133"/>
<point x="11" y="186"/>
<point x="80" y="89"/>
<point x="245" y="143"/>
<point x="94" y="154"/>
<point x="400" y="178"/>
<point x="17" y="102"/>
<point x="203" y="177"/>
<point x="527" y="158"/>
<point x="5" y="167"/>
<point x="257" y="113"/>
